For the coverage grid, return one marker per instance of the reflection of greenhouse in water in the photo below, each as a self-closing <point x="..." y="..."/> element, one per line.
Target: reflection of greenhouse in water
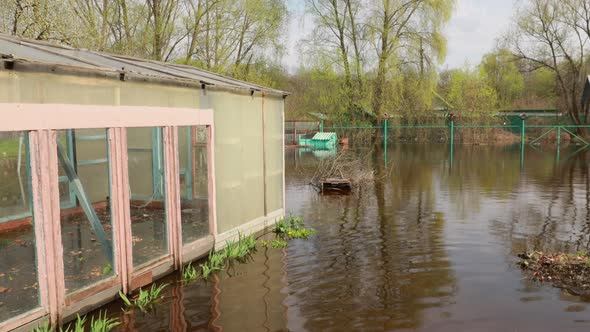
<point x="116" y="171"/>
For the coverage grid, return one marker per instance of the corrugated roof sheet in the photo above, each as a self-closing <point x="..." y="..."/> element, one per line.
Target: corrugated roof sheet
<point x="324" y="136"/>
<point x="46" y="53"/>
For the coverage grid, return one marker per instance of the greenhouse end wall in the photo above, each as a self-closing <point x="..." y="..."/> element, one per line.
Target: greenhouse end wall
<point x="238" y="116"/>
<point x="245" y="153"/>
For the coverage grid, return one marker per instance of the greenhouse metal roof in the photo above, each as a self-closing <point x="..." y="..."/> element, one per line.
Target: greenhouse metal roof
<point x="40" y="52"/>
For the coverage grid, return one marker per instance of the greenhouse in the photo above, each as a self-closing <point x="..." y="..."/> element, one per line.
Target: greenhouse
<point x="116" y="171"/>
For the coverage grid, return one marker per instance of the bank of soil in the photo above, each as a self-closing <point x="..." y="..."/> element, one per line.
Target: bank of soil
<point x="570" y="272"/>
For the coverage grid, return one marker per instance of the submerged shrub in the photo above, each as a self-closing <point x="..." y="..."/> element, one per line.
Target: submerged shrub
<point x="292" y="228"/>
<point x="278" y="243"/>
<point x="234" y="250"/>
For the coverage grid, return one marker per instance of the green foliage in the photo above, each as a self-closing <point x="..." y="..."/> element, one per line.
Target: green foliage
<point x="216" y="262"/>
<point x="292" y="228"/>
<point x="277" y="243"/>
<point x="543" y="83"/>
<point x="240" y="249"/>
<point x="107" y="269"/>
<point x="234" y="250"/>
<point x="9" y="149"/>
<point x="500" y="72"/>
<point x="78" y="325"/>
<point x="469" y="92"/>
<point x="103" y="323"/>
<point x="125" y="299"/>
<point x="43" y="328"/>
<point x="189" y="273"/>
<point x="145" y="299"/>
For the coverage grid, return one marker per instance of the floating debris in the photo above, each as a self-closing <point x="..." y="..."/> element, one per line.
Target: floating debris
<point x="566" y="271"/>
<point x="335" y="186"/>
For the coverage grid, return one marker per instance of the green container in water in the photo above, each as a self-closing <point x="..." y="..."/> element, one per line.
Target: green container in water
<point x="323" y="141"/>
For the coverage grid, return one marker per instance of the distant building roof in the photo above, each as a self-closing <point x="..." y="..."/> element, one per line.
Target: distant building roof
<point x="39" y="52"/>
<point x="539" y="112"/>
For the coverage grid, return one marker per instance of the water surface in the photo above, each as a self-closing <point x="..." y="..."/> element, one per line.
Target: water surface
<point x="425" y="246"/>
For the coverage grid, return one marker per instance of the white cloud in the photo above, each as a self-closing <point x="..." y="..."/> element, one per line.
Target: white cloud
<point x="299" y="26"/>
<point x="474" y="29"/>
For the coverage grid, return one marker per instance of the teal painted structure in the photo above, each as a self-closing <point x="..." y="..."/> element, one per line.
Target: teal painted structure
<point x="321" y="141"/>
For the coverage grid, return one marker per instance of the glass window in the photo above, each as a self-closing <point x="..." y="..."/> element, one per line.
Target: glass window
<point x="192" y="145"/>
<point x="148" y="203"/>
<point x="19" y="289"/>
<point x="87" y="234"/>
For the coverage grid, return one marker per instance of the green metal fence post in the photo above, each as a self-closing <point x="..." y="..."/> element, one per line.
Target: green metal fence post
<point x="385" y="139"/>
<point x="522" y="138"/>
<point x="452" y="138"/>
<point x="385" y="131"/>
<point x="558" y="142"/>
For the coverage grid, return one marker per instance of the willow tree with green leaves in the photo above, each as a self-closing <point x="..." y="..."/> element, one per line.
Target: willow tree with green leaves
<point x="338" y="40"/>
<point x="386" y="51"/>
<point x="469" y="91"/>
<point x="500" y="71"/>
<point x="407" y="33"/>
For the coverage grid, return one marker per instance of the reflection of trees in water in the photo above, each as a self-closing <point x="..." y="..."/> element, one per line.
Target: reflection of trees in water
<point x="552" y="209"/>
<point x="378" y="260"/>
<point x="547" y="203"/>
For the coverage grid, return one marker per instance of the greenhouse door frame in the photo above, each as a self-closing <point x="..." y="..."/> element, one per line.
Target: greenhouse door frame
<point x="41" y="122"/>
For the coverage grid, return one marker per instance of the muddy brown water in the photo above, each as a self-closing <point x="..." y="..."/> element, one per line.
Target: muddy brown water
<point x="423" y="247"/>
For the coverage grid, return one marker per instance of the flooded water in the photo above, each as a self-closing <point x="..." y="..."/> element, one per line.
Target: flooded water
<point x="423" y="247"/>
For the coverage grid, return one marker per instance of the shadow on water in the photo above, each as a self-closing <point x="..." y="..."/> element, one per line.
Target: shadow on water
<point x="424" y="246"/>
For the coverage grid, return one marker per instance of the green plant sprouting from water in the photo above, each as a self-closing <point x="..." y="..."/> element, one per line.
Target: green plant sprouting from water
<point x="189" y="273"/>
<point x="240" y="249"/>
<point x="276" y="244"/>
<point x="43" y="328"/>
<point x="145" y="299"/>
<point x="292" y="228"/>
<point x="78" y="325"/>
<point x="217" y="261"/>
<point x="103" y="323"/>
<point x="98" y="324"/>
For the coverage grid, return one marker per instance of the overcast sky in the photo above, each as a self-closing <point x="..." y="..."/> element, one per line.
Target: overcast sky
<point x="472" y="31"/>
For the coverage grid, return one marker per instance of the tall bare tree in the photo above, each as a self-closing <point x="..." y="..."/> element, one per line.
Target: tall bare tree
<point x="555" y="34"/>
<point x="333" y="21"/>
